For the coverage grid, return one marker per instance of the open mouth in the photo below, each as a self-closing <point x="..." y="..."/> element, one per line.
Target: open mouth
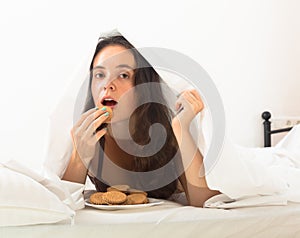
<point x="109" y="102"/>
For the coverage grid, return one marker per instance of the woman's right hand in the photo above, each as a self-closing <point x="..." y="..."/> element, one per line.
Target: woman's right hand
<point x="84" y="134"/>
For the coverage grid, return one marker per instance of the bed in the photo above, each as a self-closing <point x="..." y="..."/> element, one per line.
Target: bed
<point x="279" y="218"/>
<point x="172" y="220"/>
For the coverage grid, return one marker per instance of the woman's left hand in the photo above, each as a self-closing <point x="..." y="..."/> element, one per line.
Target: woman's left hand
<point x="188" y="105"/>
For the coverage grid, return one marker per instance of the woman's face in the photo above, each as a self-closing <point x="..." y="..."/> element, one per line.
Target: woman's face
<point x="112" y="77"/>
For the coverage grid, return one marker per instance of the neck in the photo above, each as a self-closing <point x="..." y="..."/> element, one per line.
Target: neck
<point x="120" y="130"/>
<point x="116" y="154"/>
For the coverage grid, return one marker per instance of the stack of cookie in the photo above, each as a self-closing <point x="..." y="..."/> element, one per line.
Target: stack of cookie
<point x="119" y="195"/>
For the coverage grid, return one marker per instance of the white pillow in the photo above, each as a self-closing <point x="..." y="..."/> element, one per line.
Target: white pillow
<point x="24" y="201"/>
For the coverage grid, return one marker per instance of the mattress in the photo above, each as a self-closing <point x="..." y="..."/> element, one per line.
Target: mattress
<point x="171" y="219"/>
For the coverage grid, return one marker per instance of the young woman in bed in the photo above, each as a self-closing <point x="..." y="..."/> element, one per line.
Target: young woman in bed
<point x="117" y="70"/>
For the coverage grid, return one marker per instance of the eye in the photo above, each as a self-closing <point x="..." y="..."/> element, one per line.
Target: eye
<point x="99" y="75"/>
<point x="124" y="76"/>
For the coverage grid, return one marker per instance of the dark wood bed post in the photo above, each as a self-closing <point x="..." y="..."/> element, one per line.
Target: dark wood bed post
<point x="267" y="128"/>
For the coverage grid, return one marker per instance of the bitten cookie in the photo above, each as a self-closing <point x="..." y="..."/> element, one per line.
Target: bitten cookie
<point x="108" y="109"/>
<point x="114" y="197"/>
<point x="137" y="198"/>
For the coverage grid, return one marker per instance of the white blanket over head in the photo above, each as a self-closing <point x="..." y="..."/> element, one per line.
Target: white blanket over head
<point x="68" y="110"/>
<point x="239" y="171"/>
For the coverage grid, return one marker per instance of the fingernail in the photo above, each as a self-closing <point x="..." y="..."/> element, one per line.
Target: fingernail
<point x="103" y="108"/>
<point x="106" y="114"/>
<point x="96" y="108"/>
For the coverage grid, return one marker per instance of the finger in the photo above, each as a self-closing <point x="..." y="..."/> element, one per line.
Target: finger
<point x="198" y="98"/>
<point x="91" y="118"/>
<point x="190" y="97"/>
<point x="84" y="116"/>
<point x="99" y="134"/>
<point x="77" y="127"/>
<point x="185" y="99"/>
<point x="192" y="102"/>
<point x="182" y="102"/>
<point x="97" y="123"/>
<point x="195" y="102"/>
<point x="196" y="94"/>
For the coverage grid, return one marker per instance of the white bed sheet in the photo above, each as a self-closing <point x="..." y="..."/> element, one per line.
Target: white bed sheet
<point x="172" y="220"/>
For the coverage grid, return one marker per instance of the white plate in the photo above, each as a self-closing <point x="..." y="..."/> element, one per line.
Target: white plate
<point x="152" y="202"/>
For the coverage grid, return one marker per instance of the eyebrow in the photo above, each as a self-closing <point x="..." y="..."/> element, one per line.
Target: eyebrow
<point x="124" y="66"/>
<point x="98" y="67"/>
<point x="118" y="66"/>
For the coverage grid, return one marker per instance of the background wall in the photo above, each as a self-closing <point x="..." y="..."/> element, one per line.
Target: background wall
<point x="250" y="48"/>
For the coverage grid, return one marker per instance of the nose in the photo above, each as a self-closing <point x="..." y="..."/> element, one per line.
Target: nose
<point x="110" y="85"/>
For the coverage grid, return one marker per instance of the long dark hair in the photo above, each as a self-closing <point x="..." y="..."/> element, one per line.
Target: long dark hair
<point x="145" y="115"/>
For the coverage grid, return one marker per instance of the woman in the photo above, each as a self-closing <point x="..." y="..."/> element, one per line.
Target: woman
<point x="120" y="78"/>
